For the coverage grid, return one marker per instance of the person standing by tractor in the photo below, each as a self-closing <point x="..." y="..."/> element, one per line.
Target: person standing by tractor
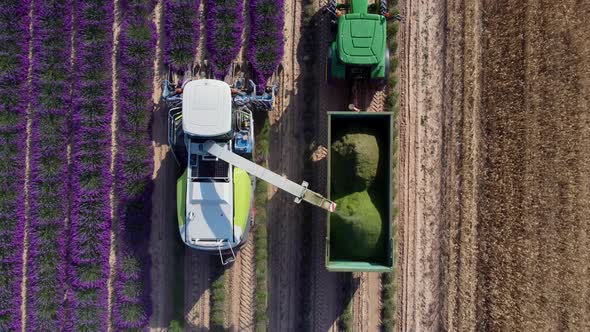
<point x="353" y="108"/>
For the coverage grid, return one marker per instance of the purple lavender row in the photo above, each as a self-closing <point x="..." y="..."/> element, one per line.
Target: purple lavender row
<point x="134" y="166"/>
<point x="181" y="26"/>
<point x="225" y="23"/>
<point x="14" y="52"/>
<point x="49" y="174"/>
<point x="90" y="222"/>
<point x="266" y="44"/>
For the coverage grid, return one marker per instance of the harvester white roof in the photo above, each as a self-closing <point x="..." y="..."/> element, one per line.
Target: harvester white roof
<point x="206" y="108"/>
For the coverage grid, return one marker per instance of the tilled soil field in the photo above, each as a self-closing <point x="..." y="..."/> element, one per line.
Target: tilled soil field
<point x="421" y="136"/>
<point x="534" y="193"/>
<point x="510" y="237"/>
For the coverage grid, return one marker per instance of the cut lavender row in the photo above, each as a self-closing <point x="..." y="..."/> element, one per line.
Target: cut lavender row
<point x="225" y="23"/>
<point x="14" y="63"/>
<point x="266" y="43"/>
<point x="90" y="223"/>
<point x="134" y="167"/>
<point x="181" y="26"/>
<point x="49" y="175"/>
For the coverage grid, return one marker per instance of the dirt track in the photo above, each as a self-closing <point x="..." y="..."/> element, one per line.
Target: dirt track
<point x="242" y="281"/>
<point x="284" y="216"/>
<point x="419" y="165"/>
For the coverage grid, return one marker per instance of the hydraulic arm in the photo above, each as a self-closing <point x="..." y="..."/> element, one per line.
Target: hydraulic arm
<point x="300" y="191"/>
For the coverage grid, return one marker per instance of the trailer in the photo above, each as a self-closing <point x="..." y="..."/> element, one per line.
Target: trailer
<point x="359" y="234"/>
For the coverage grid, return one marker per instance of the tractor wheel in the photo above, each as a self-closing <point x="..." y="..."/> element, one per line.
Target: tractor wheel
<point x="329" y="78"/>
<point x="383" y="10"/>
<point x="387" y="65"/>
<point x="382" y="82"/>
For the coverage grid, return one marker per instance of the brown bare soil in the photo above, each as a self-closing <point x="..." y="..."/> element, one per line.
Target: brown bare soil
<point x="421" y="135"/>
<point x="463" y="161"/>
<point x="495" y="95"/>
<point x="241" y="283"/>
<point x="112" y="198"/>
<point x="197" y="293"/>
<point x="366" y="308"/>
<point x="527" y="243"/>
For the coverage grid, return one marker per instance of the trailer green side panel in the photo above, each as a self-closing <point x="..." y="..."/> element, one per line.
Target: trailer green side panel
<point x="360" y="165"/>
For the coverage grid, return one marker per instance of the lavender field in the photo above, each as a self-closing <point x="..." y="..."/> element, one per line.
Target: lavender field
<point x="77" y="111"/>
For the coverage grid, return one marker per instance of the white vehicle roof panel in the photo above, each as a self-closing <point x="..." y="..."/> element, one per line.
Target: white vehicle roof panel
<point x="206" y="108"/>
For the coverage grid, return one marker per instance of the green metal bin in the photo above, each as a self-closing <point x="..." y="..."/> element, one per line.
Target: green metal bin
<point x="339" y="123"/>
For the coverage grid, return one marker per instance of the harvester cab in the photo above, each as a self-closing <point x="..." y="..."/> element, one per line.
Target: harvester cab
<point x="211" y="135"/>
<point x="359" y="49"/>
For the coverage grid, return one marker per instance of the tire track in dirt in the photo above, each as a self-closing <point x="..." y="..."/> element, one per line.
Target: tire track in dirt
<point x="359" y="280"/>
<point x="463" y="101"/>
<point x="240" y="284"/>
<point x="247" y="283"/>
<point x="241" y="281"/>
<point x="373" y="302"/>
<point x="422" y="43"/>
<point x="197" y="297"/>
<point x="198" y="266"/>
<point x="286" y="156"/>
<point x="164" y="234"/>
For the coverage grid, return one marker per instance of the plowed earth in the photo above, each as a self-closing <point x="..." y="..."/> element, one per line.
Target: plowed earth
<point x="495" y="96"/>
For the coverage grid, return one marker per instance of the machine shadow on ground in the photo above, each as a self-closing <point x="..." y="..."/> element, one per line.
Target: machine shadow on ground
<point x="167" y="250"/>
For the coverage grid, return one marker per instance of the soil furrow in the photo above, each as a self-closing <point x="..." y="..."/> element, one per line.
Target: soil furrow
<point x="247" y="287"/>
<point x="285" y="157"/>
<point x="421" y="136"/>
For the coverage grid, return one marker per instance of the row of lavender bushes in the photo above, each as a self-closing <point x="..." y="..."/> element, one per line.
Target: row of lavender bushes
<point x="181" y="26"/>
<point x="266" y="43"/>
<point x="134" y="165"/>
<point x="14" y="64"/>
<point x="90" y="221"/>
<point x="225" y="24"/>
<point x="49" y="174"/>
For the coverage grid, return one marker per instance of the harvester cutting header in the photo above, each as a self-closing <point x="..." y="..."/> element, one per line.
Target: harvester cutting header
<point x="211" y="133"/>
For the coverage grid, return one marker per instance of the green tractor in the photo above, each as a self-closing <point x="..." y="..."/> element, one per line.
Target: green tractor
<point x="359" y="50"/>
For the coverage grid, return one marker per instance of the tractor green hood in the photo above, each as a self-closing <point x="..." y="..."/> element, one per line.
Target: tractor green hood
<point x="361" y="38"/>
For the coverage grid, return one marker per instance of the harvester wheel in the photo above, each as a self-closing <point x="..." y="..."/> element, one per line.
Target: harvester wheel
<point x="383" y="10"/>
